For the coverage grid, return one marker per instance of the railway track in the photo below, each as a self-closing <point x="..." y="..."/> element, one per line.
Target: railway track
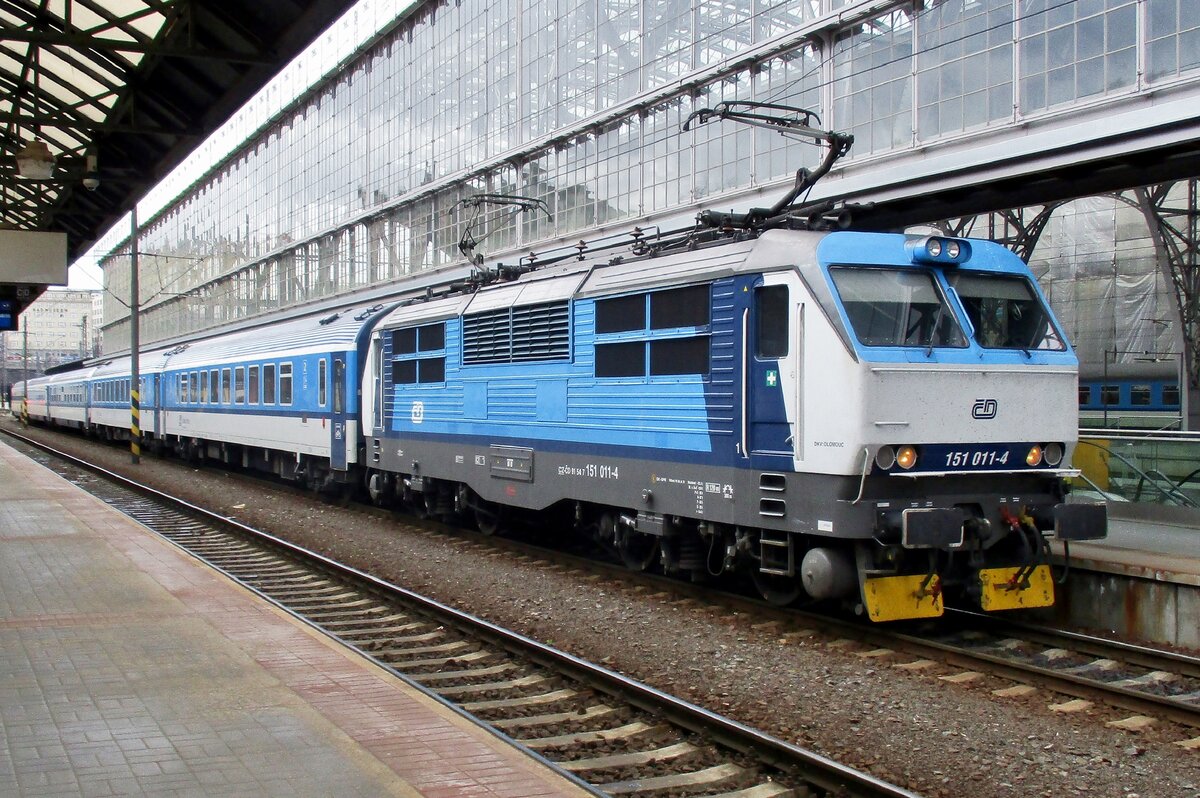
<point x="1155" y="684"/>
<point x="614" y="734"/>
<point x="1151" y="682"/>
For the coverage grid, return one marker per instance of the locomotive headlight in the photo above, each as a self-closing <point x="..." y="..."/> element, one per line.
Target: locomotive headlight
<point x="1053" y="453"/>
<point x="952" y="249"/>
<point x="885" y="458"/>
<point x="934" y="247"/>
<point x="906" y="457"/>
<point x="1034" y="457"/>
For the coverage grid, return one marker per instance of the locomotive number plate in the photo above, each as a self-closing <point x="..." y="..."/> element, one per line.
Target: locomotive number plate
<point x="979" y="457"/>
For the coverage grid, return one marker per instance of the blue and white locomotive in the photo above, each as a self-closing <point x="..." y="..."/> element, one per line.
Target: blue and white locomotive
<point x="868" y="417"/>
<point x="863" y="416"/>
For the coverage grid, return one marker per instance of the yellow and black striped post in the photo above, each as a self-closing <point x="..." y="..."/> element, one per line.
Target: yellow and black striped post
<point x="135" y="355"/>
<point x="135" y="425"/>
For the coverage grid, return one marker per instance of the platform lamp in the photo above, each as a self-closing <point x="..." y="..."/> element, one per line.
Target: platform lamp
<point x="35" y="161"/>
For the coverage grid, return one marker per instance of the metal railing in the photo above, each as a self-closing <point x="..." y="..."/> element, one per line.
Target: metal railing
<point x="1141" y="466"/>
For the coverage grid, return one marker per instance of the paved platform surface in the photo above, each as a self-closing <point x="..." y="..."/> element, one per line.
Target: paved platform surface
<point x="127" y="668"/>
<point x="1156" y="550"/>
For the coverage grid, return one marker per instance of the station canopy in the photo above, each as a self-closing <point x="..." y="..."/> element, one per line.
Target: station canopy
<point x="102" y="98"/>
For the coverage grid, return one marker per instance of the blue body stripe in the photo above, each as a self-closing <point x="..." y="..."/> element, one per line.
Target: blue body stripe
<point x="562" y="403"/>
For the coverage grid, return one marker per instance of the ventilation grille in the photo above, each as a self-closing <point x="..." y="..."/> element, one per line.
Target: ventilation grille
<point x="516" y="335"/>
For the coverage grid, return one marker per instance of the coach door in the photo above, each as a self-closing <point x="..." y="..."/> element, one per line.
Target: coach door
<point x="337" y="427"/>
<point x="771" y="367"/>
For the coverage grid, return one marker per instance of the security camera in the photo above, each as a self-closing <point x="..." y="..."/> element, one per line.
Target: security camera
<point x="91" y="182"/>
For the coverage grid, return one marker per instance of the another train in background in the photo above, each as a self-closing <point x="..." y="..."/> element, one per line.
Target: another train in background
<point x="1141" y="395"/>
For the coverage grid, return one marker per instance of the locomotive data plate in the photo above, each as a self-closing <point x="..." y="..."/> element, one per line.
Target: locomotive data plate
<point x="511" y="462"/>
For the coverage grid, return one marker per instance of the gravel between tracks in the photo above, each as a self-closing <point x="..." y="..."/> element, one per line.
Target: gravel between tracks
<point x="935" y="738"/>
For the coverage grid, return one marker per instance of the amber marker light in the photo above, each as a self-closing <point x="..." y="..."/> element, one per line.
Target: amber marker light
<point x="906" y="457"/>
<point x="1034" y="457"/>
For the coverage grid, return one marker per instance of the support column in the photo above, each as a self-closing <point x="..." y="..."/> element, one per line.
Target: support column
<point x="1172" y="213"/>
<point x="135" y="411"/>
<point x="1017" y="229"/>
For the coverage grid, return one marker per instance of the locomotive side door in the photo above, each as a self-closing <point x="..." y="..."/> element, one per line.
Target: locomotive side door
<point x="772" y="357"/>
<point x="337" y="425"/>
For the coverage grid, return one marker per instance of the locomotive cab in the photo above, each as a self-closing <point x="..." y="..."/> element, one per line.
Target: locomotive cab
<point x="965" y="421"/>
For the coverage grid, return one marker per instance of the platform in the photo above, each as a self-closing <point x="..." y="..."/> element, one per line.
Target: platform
<point x="1142" y="582"/>
<point x="129" y="668"/>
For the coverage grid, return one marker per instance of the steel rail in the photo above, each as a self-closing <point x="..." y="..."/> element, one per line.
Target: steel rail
<point x="803" y="764"/>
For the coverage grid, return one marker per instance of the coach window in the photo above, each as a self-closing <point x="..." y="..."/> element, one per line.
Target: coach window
<point x="322" y="374"/>
<point x="680" y="307"/>
<point x="419" y="355"/>
<point x="253" y="381"/>
<point x="225" y="385"/>
<point x="621" y="314"/>
<point x="214" y="386"/>
<point x="679" y="356"/>
<point x="204" y="387"/>
<point x="667" y="322"/>
<point x="339" y="386"/>
<point x="195" y="381"/>
<point x="1085" y="395"/>
<point x="285" y="383"/>
<point x="269" y="384"/>
<point x="1139" y="394"/>
<point x="1110" y="394"/>
<point x="626" y="359"/>
<point x="1170" y="395"/>
<point x="771" y="329"/>
<point x="239" y="385"/>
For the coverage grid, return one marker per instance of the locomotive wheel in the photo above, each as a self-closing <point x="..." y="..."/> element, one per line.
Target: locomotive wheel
<point x="778" y="591"/>
<point x="638" y="551"/>
<point x="487" y="517"/>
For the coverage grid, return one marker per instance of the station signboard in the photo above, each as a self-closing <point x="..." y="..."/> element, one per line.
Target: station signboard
<point x="8" y="315"/>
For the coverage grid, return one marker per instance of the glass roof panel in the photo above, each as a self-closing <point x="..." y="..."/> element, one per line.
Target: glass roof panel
<point x="63" y="91"/>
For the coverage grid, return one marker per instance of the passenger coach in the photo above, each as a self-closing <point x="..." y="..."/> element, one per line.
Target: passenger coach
<point x="281" y="397"/>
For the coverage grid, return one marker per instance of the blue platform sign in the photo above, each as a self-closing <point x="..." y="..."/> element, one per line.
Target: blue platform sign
<point x="8" y="315"/>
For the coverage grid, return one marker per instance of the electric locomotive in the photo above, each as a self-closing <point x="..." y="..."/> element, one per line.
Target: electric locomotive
<point x="873" y="418"/>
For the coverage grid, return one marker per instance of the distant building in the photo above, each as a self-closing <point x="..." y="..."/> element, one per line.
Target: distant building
<point x="62" y="326"/>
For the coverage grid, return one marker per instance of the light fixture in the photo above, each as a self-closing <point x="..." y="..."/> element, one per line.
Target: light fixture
<point x="35" y="161"/>
<point x="91" y="172"/>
